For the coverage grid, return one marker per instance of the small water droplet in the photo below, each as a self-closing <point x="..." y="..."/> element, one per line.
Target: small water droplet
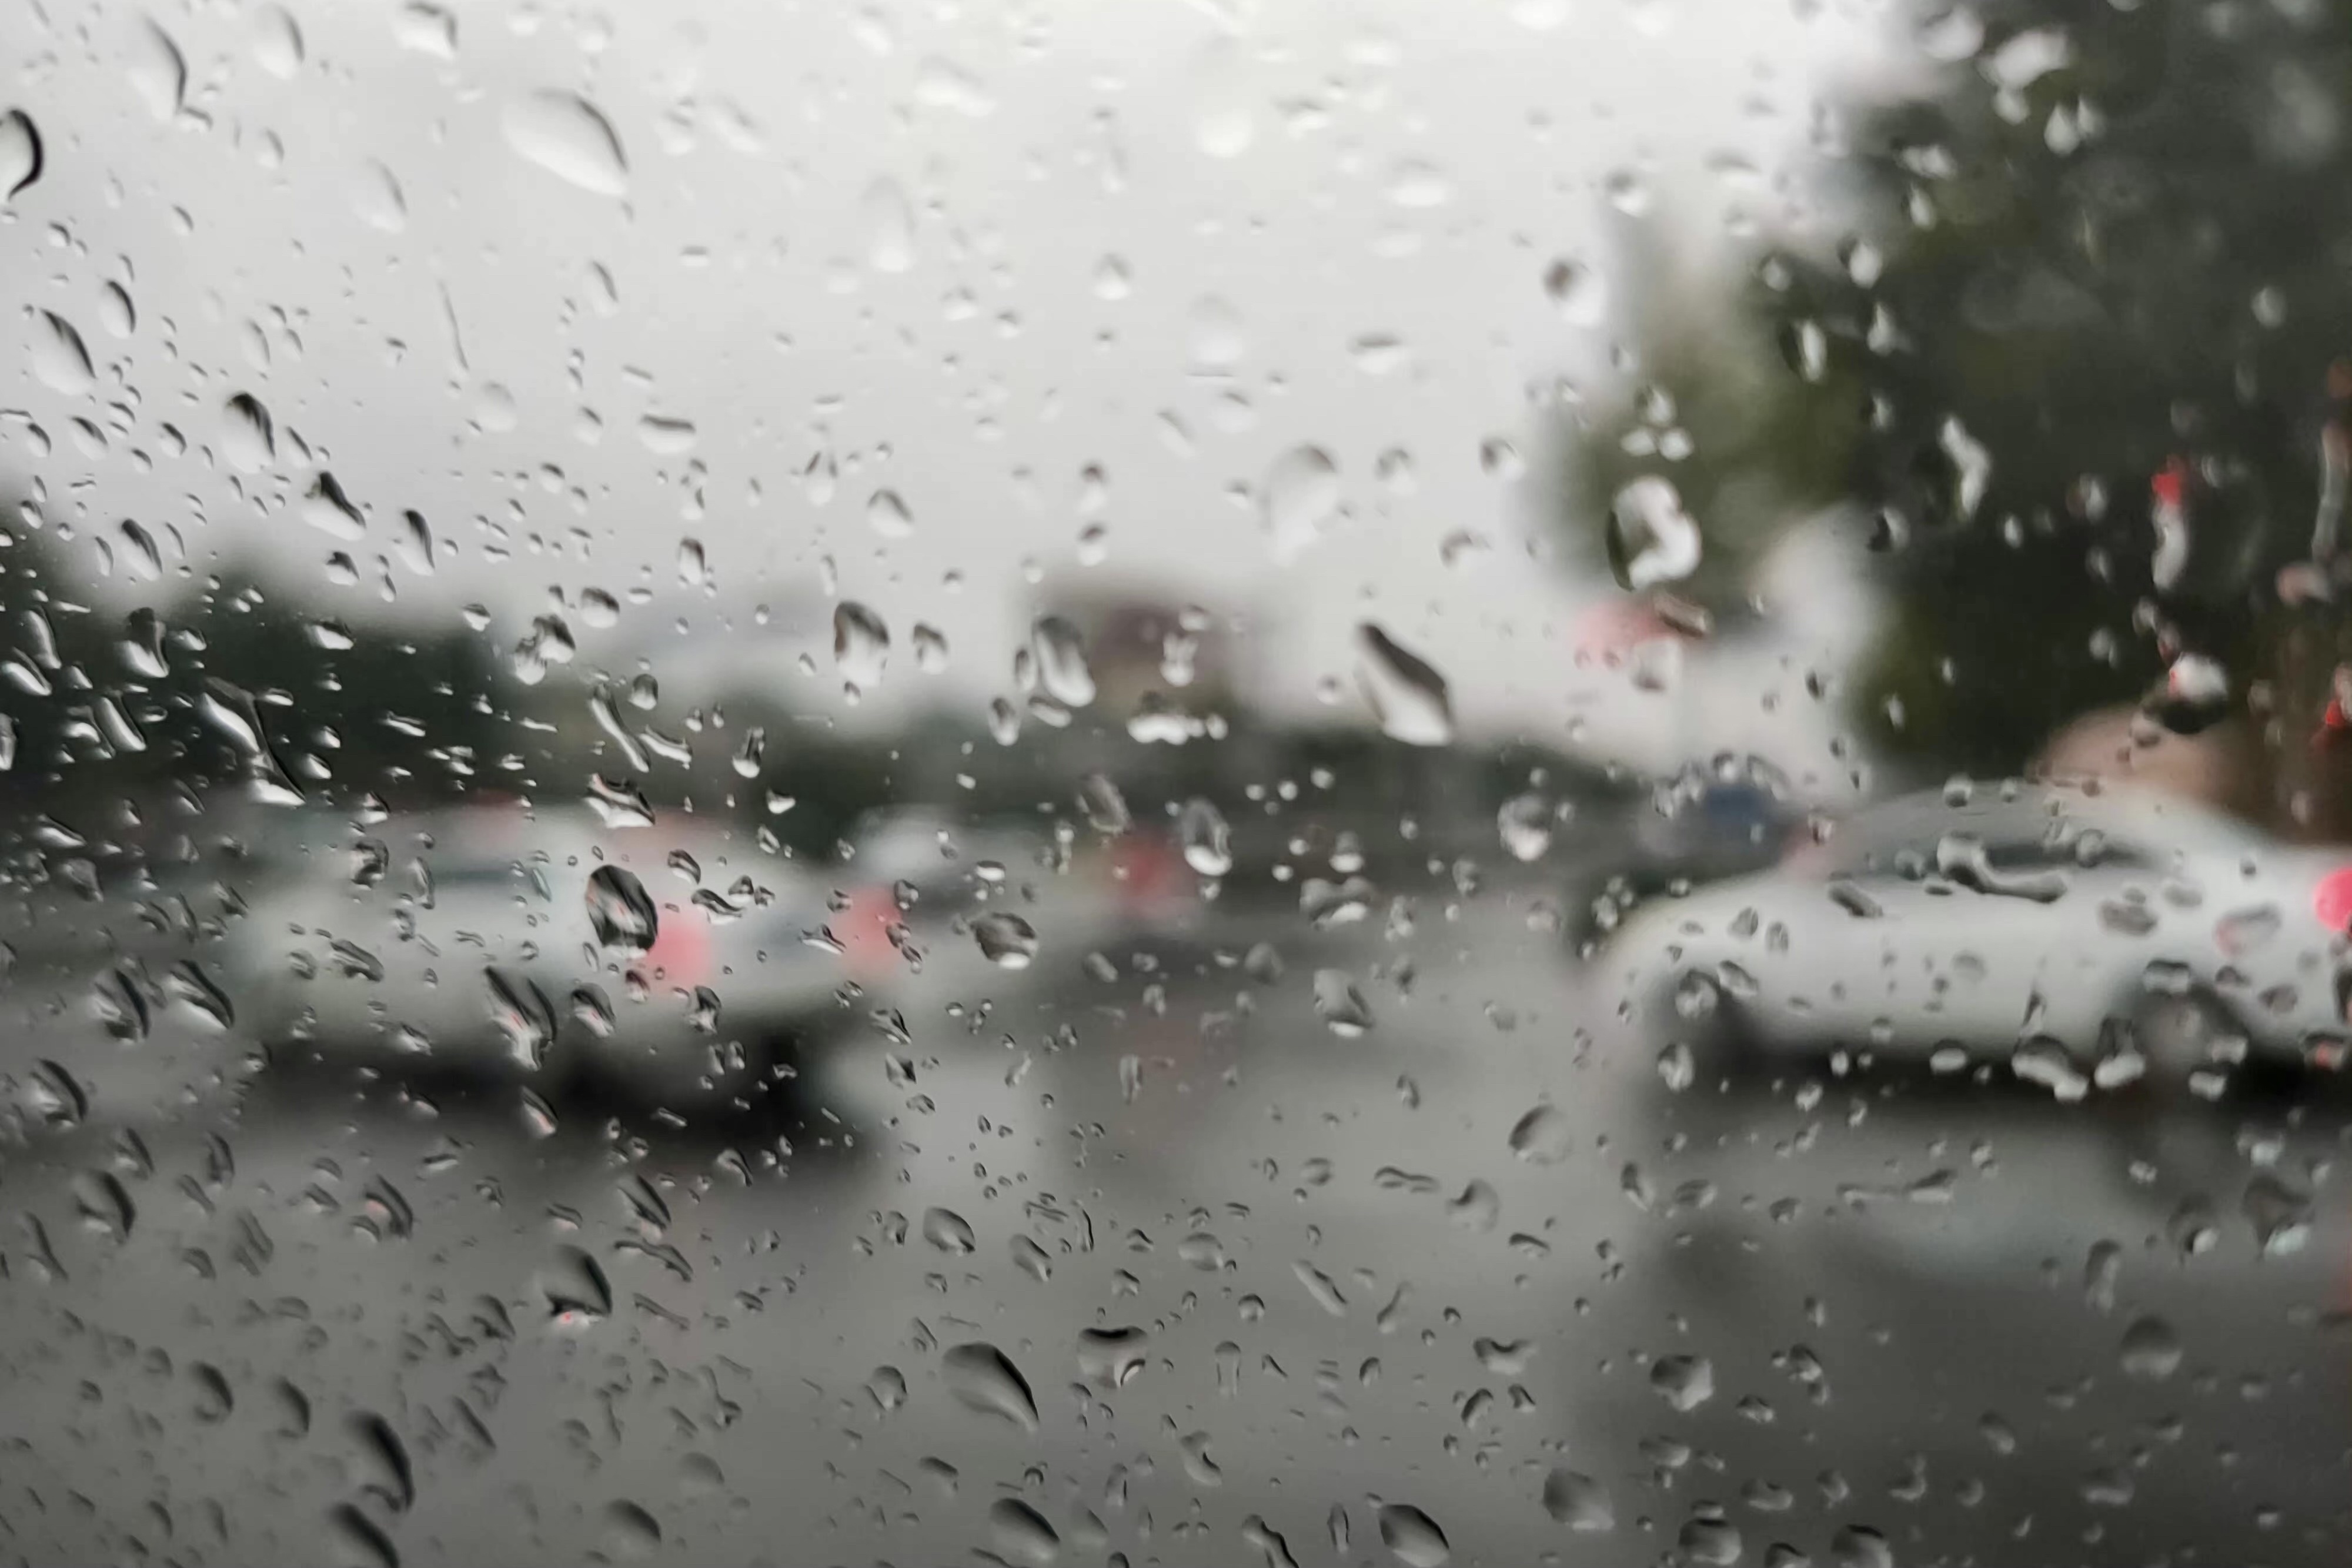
<point x="1298" y="499"/>
<point x="1340" y="1005"/>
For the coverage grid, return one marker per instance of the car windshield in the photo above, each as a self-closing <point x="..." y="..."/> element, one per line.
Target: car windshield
<point x="1077" y="784"/>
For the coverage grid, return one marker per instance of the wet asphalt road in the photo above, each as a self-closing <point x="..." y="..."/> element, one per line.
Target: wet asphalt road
<point x="1336" y="1315"/>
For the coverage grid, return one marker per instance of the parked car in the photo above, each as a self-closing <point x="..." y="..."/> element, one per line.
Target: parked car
<point x="662" y="963"/>
<point x="2081" y="940"/>
<point x="1664" y="844"/>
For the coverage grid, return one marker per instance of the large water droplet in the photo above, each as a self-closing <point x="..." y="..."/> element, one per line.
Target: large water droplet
<point x="1022" y="1535"/>
<point x="277" y="42"/>
<point x="982" y="1379"/>
<point x="889" y="224"/>
<point x="632" y="1534"/>
<point x="1577" y="291"/>
<point x="1684" y="1382"/>
<point x="1340" y="1005"/>
<point x="60" y="358"/>
<point x="1579" y="1501"/>
<point x="621" y="910"/>
<point x="1005" y="939"/>
<point x="1407" y="695"/>
<point x="1298" y="498"/>
<point x="20" y="154"/>
<point x="1412" y="1536"/>
<point x="1524" y="825"/>
<point x="861" y="644"/>
<point x="948" y="1231"/>
<point x="1652" y="540"/>
<point x="326" y="508"/>
<point x="1541" y="1137"/>
<point x="158" y="72"/>
<point x="248" y="439"/>
<point x="570" y="138"/>
<point x="523" y="1015"/>
<point x="2151" y="1351"/>
<point x="1062" y="662"/>
<point x="1112" y="1358"/>
<point x="1207" y="841"/>
<point x="377" y="199"/>
<point x="574" y="1288"/>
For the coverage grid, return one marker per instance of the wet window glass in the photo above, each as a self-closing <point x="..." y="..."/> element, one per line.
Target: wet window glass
<point x="1560" y="782"/>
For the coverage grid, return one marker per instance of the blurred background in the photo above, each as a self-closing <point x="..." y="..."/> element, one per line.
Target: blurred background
<point x="1562" y="782"/>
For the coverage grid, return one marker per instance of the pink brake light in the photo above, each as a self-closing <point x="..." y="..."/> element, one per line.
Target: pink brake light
<point x="2331" y="901"/>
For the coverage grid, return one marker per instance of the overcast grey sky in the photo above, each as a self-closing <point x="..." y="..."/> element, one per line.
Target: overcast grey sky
<point x="964" y="254"/>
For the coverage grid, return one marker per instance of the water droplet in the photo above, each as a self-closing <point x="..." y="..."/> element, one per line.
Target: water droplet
<point x="426" y="28"/>
<point x="326" y="508"/>
<point x="60" y="358"/>
<point x="570" y="138"/>
<point x="1579" y="1501"/>
<point x="376" y="197"/>
<point x="249" y="441"/>
<point x="1105" y="807"/>
<point x="1684" y="1382"/>
<point x="621" y="911"/>
<point x="1407" y="695"/>
<point x="1112" y="1358"/>
<point x="930" y="648"/>
<point x="889" y="224"/>
<point x="20" y="154"/>
<point x="1524" y="825"/>
<point x="887" y="516"/>
<point x="1061" y="656"/>
<point x="1541" y="1137"/>
<point x="1340" y="1005"/>
<point x="1412" y="1537"/>
<point x="861" y="644"/>
<point x="1207" y="841"/>
<point x="1199" y="1468"/>
<point x="1269" y="1542"/>
<point x="1577" y="291"/>
<point x="948" y="1230"/>
<point x="1022" y="1535"/>
<point x="630" y="1534"/>
<point x="2193" y="696"/>
<point x="982" y="1379"/>
<point x="1298" y="498"/>
<point x="574" y="1288"/>
<point x="1476" y="1208"/>
<point x="1005" y="939"/>
<point x="1859" y="1546"/>
<point x="523" y="1015"/>
<point x="277" y="42"/>
<point x="104" y="1205"/>
<point x="2151" y="1351"/>
<point x="1651" y="540"/>
<point x="667" y="436"/>
<point x="158" y="72"/>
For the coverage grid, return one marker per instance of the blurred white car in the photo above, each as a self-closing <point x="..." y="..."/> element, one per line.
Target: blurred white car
<point x="2080" y="940"/>
<point x="671" y="963"/>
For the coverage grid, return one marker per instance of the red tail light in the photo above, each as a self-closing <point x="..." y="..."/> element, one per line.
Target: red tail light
<point x="2331" y="901"/>
<point x="681" y="949"/>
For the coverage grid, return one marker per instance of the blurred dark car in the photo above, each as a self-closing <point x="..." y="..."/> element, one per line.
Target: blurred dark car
<point x="1667" y="843"/>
